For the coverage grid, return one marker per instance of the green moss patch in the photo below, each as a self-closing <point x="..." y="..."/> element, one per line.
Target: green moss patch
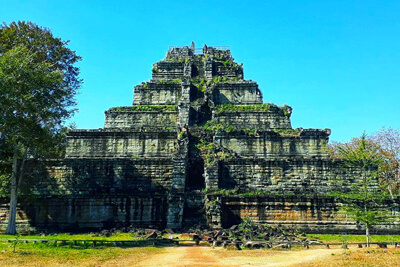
<point x="159" y="108"/>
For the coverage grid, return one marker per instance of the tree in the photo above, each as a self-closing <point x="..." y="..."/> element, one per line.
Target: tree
<point x="361" y="200"/>
<point x="38" y="82"/>
<point x="388" y="140"/>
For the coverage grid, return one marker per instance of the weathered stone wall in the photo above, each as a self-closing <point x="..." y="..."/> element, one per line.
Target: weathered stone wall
<point x="229" y="70"/>
<point x="217" y="53"/>
<point x="261" y="120"/>
<point x="157" y="93"/>
<point x="309" y="214"/>
<point x="286" y="176"/>
<point x="121" y="143"/>
<point x="79" y="194"/>
<point x="91" y="177"/>
<point x="269" y="144"/>
<point x="237" y="93"/>
<point x="138" y="119"/>
<point x="275" y="208"/>
<point x="176" y="54"/>
<point x="165" y="70"/>
<point x="72" y="213"/>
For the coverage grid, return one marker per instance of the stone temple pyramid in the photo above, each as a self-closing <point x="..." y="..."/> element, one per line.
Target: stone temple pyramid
<point x="197" y="147"/>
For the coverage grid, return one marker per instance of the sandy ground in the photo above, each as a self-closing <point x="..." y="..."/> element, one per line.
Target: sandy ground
<point x="207" y="256"/>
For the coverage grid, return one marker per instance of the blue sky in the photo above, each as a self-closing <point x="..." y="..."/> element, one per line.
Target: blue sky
<point x="337" y="63"/>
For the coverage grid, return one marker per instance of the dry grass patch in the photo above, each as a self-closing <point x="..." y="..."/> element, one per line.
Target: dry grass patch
<point x="332" y="238"/>
<point x="267" y="257"/>
<point x="359" y="257"/>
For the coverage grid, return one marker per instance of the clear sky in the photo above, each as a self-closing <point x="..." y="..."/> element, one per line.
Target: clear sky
<point x="337" y="63"/>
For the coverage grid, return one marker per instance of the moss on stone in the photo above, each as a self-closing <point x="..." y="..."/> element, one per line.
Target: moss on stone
<point x="287" y="111"/>
<point x="212" y="153"/>
<point x="290" y="132"/>
<point x="159" y="108"/>
<point x="238" y="108"/>
<point x="214" y="126"/>
<point x="260" y="107"/>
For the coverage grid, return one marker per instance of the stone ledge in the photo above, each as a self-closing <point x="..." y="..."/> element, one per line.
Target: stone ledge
<point x="118" y="131"/>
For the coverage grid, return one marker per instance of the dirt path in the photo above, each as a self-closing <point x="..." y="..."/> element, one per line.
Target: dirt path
<point x="280" y="258"/>
<point x="182" y="256"/>
<point x="207" y="256"/>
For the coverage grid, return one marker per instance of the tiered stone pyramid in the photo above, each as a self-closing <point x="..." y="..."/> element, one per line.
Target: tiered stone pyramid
<point x="197" y="147"/>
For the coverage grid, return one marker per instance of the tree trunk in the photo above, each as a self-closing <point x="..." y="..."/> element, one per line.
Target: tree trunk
<point x="390" y="191"/>
<point x="12" y="227"/>
<point x="367" y="234"/>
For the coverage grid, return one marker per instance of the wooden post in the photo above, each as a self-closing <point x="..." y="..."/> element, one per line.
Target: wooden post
<point x="238" y="246"/>
<point x="382" y="245"/>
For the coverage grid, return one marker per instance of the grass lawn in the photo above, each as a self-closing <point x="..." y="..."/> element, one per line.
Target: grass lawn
<point x="64" y="236"/>
<point x="50" y="255"/>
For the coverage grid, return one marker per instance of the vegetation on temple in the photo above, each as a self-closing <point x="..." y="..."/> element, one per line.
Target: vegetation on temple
<point x="212" y="153"/>
<point x="158" y="108"/>
<point x="240" y="108"/>
<point x="243" y="108"/>
<point x="288" y="132"/>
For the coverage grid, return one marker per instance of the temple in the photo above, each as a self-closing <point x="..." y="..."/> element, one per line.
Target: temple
<point x="197" y="148"/>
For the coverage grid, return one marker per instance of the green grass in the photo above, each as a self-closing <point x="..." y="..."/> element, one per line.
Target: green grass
<point x="235" y="108"/>
<point x="331" y="238"/>
<point x="68" y="255"/>
<point x="63" y="236"/>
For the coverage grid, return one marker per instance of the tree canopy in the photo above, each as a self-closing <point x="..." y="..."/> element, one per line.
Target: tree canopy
<point x="381" y="149"/>
<point x="38" y="83"/>
<point x="362" y="201"/>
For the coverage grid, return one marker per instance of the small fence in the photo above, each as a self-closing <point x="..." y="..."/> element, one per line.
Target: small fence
<point x="199" y="51"/>
<point x="197" y="242"/>
<point x="94" y="243"/>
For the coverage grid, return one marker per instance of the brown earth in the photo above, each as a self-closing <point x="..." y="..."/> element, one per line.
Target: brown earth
<point x="207" y="256"/>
